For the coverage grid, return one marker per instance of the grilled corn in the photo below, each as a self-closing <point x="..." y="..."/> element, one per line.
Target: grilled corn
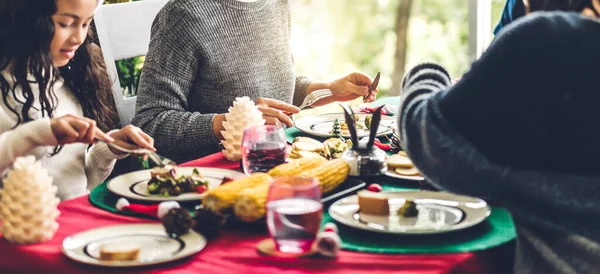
<point x="222" y="198"/>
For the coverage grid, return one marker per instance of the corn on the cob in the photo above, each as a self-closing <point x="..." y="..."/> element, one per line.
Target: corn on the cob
<point x="296" y="166"/>
<point x="250" y="207"/>
<point x="222" y="198"/>
<point x="330" y="174"/>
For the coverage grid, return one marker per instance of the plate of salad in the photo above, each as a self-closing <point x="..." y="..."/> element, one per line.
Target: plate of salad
<point x="169" y="183"/>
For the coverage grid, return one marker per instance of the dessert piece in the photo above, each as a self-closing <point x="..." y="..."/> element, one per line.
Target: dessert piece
<point x="373" y="203"/>
<point x="119" y="252"/>
<point x="409" y="209"/>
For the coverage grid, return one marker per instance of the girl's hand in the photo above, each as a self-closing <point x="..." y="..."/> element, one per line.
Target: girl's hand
<point x="131" y="137"/>
<point x="72" y="129"/>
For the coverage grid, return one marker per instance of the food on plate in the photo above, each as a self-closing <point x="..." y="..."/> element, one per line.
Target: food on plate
<point x="295" y="167"/>
<point x="119" y="252"/>
<point x="177" y="221"/>
<point x="402" y="165"/>
<point x="164" y="182"/>
<point x="411" y="171"/>
<point x="334" y="148"/>
<point x="409" y="209"/>
<point x="374" y="203"/>
<point x="226" y="179"/>
<point x="398" y="160"/>
<point x="368" y="120"/>
<point x="305" y="147"/>
<point x="222" y="198"/>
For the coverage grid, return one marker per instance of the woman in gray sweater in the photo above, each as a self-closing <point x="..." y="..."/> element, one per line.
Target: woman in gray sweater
<point x="204" y="54"/>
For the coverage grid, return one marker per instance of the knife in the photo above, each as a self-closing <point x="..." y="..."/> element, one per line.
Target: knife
<point x="373" y="86"/>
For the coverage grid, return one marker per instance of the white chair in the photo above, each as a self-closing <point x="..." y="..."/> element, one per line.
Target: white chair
<point x="124" y="32"/>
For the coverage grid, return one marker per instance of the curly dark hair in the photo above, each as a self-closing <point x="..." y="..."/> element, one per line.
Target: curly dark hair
<point x="26" y="33"/>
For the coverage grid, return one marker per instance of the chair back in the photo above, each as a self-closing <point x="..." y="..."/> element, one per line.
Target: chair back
<point x="124" y="32"/>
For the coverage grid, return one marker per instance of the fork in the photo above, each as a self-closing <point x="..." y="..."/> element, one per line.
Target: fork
<point x="315" y="96"/>
<point x="151" y="154"/>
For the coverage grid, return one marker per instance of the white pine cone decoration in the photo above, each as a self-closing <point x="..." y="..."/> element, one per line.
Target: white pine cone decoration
<point x="28" y="203"/>
<point x="241" y="115"/>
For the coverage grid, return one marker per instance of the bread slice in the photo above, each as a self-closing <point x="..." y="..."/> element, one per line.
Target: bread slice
<point x="119" y="252"/>
<point x="374" y="203"/>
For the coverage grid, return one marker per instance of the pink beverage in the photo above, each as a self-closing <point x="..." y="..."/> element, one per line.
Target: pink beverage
<point x="294" y="223"/>
<point x="262" y="156"/>
<point x="263" y="147"/>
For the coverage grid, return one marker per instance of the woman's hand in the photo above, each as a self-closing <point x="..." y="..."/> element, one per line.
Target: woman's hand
<point x="348" y="88"/>
<point x="131" y="137"/>
<point x="276" y="112"/>
<point x="72" y="129"/>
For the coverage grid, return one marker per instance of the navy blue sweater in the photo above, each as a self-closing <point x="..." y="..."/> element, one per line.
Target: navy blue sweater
<point x="522" y="128"/>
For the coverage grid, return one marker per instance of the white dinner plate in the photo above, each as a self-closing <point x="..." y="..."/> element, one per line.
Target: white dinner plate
<point x="411" y="178"/>
<point x="155" y="245"/>
<point x="439" y="212"/>
<point x="321" y="125"/>
<point x="134" y="185"/>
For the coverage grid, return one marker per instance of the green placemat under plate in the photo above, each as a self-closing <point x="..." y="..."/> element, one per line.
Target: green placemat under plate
<point x="102" y="198"/>
<point x="496" y="230"/>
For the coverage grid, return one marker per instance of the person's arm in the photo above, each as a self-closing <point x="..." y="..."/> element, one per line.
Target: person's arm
<point x="169" y="72"/>
<point x="99" y="163"/>
<point x="436" y="119"/>
<point x="31" y="138"/>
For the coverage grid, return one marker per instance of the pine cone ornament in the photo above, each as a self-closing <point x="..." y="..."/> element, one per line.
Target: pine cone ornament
<point x="177" y="221"/>
<point x="241" y="115"/>
<point x="208" y="222"/>
<point x="28" y="203"/>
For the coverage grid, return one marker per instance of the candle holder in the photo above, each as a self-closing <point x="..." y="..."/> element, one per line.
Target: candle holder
<point x="364" y="159"/>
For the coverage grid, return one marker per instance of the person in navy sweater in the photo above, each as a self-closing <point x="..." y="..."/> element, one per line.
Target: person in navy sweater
<point x="521" y="129"/>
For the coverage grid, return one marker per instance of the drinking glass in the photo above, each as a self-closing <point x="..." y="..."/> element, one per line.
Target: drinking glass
<point x="263" y="147"/>
<point x="294" y="213"/>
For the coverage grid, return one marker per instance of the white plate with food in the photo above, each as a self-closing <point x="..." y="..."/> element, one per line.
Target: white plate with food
<point x="419" y="212"/>
<point x="402" y="167"/>
<point x="170" y="183"/>
<point x="322" y="125"/>
<point x="130" y="245"/>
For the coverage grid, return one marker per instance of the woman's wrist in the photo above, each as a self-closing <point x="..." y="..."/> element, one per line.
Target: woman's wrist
<point x="217" y="126"/>
<point x="317" y="86"/>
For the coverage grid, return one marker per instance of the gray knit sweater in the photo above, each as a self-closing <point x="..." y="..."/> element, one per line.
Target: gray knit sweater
<point x="202" y="55"/>
<point x="535" y="87"/>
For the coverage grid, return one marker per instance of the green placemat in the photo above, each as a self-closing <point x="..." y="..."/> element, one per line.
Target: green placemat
<point x="496" y="230"/>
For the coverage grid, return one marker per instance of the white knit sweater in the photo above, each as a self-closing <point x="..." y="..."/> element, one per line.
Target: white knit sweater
<point x="75" y="169"/>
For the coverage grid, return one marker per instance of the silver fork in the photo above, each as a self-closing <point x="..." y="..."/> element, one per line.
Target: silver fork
<point x="315" y="96"/>
<point x="151" y="154"/>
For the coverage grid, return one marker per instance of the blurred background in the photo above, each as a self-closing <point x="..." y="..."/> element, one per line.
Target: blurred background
<point x="331" y="38"/>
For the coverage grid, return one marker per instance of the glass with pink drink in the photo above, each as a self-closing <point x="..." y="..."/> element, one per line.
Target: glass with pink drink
<point x="294" y="213"/>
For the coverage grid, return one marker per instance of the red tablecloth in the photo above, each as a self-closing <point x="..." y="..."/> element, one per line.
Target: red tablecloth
<point x="233" y="251"/>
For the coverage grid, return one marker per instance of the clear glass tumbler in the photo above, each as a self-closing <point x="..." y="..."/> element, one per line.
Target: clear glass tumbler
<point x="294" y="213"/>
<point x="263" y="147"/>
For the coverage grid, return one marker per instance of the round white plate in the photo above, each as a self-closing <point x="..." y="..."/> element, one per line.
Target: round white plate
<point x="155" y="246"/>
<point x="411" y="178"/>
<point x="321" y="125"/>
<point x="134" y="185"/>
<point x="439" y="212"/>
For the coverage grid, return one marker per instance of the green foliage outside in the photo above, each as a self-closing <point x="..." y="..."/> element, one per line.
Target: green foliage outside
<point x="331" y="38"/>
